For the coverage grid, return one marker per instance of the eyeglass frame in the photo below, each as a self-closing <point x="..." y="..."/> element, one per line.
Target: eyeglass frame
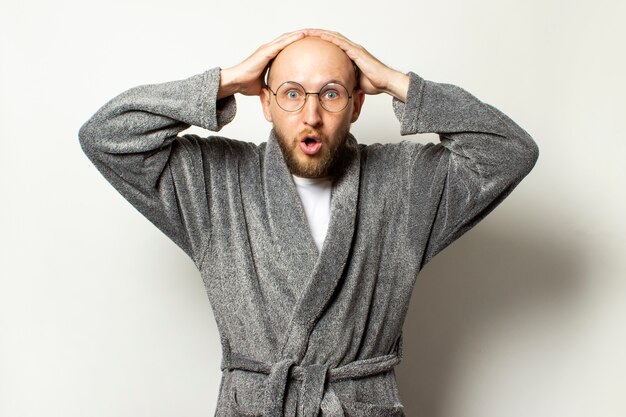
<point x="306" y="95"/>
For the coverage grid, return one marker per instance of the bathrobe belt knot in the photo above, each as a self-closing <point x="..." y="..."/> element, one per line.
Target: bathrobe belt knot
<point x="315" y="394"/>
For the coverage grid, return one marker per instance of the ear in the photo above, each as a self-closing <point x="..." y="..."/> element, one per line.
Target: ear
<point x="265" y="103"/>
<point x="358" y="97"/>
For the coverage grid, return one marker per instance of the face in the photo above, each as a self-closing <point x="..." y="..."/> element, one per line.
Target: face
<point x="312" y="138"/>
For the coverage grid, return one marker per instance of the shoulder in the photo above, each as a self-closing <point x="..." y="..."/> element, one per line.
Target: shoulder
<point x="219" y="145"/>
<point x="395" y="160"/>
<point x="217" y="152"/>
<point x="390" y="152"/>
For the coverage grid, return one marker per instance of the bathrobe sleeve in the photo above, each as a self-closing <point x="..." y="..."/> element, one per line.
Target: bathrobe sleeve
<point x="481" y="157"/>
<point x="133" y="141"/>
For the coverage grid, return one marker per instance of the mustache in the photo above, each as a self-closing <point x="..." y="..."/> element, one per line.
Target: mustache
<point x="311" y="132"/>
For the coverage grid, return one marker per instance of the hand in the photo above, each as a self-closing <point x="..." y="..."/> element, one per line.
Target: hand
<point x="247" y="77"/>
<point x="376" y="77"/>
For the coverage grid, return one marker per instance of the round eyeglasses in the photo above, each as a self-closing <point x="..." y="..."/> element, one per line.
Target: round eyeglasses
<point x="291" y="96"/>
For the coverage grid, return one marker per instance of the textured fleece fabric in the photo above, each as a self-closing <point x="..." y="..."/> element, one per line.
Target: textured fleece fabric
<point x="306" y="333"/>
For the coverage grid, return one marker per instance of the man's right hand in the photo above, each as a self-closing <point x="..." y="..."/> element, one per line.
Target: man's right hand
<point x="247" y="77"/>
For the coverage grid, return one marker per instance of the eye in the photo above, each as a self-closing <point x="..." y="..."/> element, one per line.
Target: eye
<point x="331" y="94"/>
<point x="293" y="94"/>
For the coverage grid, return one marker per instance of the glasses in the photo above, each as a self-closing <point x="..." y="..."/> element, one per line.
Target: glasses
<point x="291" y="96"/>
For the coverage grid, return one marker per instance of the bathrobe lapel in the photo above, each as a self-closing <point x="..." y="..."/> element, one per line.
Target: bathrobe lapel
<point x="321" y="273"/>
<point x="287" y="220"/>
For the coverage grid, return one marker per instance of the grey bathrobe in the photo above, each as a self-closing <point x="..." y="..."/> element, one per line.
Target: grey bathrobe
<point x="303" y="332"/>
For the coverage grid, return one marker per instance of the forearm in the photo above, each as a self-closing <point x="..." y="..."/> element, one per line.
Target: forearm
<point x="479" y="134"/>
<point x="132" y="138"/>
<point x="144" y="117"/>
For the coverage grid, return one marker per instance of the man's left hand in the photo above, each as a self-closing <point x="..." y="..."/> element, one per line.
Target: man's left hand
<point x="376" y="77"/>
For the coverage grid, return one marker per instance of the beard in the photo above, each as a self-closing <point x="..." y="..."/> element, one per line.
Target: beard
<point x="327" y="162"/>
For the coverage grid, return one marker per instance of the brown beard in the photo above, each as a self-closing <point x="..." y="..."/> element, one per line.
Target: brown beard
<point x="329" y="164"/>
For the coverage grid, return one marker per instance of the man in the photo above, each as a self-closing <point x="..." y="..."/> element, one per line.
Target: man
<point x="309" y="297"/>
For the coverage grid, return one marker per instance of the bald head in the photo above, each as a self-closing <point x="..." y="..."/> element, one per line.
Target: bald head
<point x="312" y="62"/>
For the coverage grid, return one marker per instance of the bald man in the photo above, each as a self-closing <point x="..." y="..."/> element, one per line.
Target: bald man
<point x="308" y="243"/>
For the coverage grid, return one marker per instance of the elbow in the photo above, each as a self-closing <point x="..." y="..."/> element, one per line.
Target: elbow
<point x="84" y="136"/>
<point x="518" y="158"/>
<point x="85" y="140"/>
<point x="88" y="138"/>
<point x="529" y="153"/>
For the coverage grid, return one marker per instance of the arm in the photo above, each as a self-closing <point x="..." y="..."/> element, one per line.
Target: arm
<point x="133" y="142"/>
<point x="482" y="155"/>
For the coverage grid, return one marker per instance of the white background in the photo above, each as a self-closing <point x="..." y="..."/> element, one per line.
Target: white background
<point x="101" y="315"/>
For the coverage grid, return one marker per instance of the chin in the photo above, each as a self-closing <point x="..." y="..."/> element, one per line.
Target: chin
<point x="323" y="164"/>
<point x="308" y="167"/>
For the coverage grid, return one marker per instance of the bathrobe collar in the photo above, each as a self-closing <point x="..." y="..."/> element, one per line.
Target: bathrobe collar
<point x="320" y="272"/>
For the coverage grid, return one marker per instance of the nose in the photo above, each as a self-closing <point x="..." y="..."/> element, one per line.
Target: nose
<point x="312" y="110"/>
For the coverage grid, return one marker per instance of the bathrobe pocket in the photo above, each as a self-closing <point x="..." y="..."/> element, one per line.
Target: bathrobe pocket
<point x="245" y="393"/>
<point x="241" y="409"/>
<point x="374" y="396"/>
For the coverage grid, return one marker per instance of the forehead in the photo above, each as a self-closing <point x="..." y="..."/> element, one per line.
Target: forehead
<point x="312" y="62"/>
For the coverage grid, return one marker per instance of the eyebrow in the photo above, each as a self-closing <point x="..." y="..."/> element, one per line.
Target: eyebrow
<point x="333" y="81"/>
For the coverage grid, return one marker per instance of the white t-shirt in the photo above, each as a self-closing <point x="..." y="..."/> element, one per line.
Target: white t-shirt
<point x="315" y="196"/>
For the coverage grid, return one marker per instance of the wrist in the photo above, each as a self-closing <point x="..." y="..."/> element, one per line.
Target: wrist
<point x="398" y="85"/>
<point x="228" y="84"/>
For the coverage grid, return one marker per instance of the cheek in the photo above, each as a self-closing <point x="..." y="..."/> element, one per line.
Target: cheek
<point x="286" y="123"/>
<point x="342" y="122"/>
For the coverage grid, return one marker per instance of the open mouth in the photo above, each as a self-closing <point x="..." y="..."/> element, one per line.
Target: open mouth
<point x="310" y="145"/>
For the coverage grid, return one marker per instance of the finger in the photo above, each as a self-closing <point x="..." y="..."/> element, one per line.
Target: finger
<point x="289" y="37"/>
<point x="335" y="37"/>
<point x="280" y="43"/>
<point x="353" y="50"/>
<point x="320" y="32"/>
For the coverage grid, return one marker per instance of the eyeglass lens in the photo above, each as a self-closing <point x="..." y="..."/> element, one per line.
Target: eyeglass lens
<point x="291" y="96"/>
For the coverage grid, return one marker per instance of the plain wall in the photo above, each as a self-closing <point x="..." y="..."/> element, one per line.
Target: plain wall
<point x="101" y="315"/>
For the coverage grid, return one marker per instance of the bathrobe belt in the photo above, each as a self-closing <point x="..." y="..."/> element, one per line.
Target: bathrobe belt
<point x="315" y="394"/>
